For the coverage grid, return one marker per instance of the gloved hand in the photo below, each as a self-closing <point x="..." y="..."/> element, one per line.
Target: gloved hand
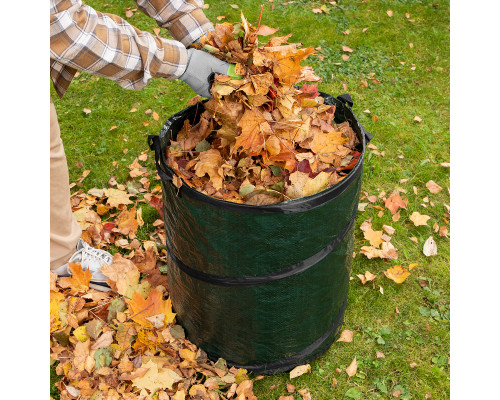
<point x="200" y="66"/>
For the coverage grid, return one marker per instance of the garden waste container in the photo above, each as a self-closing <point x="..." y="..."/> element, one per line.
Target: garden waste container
<point x="262" y="286"/>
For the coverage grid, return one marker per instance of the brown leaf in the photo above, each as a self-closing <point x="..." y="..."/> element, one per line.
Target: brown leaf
<point x="210" y="163"/>
<point x="433" y="187"/>
<point x="346" y="336"/>
<point x="352" y="368"/>
<point x="265" y="30"/>
<point x="389" y="13"/>
<point x="117" y="197"/>
<point x="417" y="118"/>
<point x="305" y="394"/>
<point x="251" y="139"/>
<point x="348" y="49"/>
<point x="394" y="202"/>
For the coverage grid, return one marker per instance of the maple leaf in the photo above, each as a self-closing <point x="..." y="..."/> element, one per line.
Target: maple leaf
<point x="154" y="304"/>
<point x="126" y="222"/>
<point x="117" y="197"/>
<point x="394" y="202"/>
<point x="156" y="378"/>
<point x="419" y="219"/>
<point x="251" y="139"/>
<point x="367" y="277"/>
<point x="122" y="274"/>
<point x="210" y="163"/>
<point x="79" y="280"/>
<point x="397" y="273"/>
<point x="374" y="237"/>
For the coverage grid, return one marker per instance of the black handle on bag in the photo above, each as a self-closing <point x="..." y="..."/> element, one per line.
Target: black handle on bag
<point x="154" y="144"/>
<point x="347" y="99"/>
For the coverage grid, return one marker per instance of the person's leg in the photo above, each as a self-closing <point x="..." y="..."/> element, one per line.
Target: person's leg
<point x="64" y="230"/>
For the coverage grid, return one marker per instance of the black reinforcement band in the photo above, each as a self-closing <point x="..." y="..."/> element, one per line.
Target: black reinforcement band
<point x="273" y="276"/>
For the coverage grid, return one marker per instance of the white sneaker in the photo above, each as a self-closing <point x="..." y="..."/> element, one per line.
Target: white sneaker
<point x="91" y="259"/>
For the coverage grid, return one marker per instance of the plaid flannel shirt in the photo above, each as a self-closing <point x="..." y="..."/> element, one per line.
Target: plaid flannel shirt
<point x="82" y="38"/>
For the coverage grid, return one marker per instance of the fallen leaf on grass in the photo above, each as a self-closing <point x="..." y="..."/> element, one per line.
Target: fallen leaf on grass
<point x="290" y="388"/>
<point x="419" y="219"/>
<point x="117" y="197"/>
<point x="346" y="336"/>
<point x="113" y="127"/>
<point x="397" y="273"/>
<point x="433" y="187"/>
<point x="305" y="394"/>
<point x="300" y="370"/>
<point x="387" y="251"/>
<point x="430" y="247"/>
<point x="87" y="110"/>
<point x="395" y="201"/>
<point x="389" y="229"/>
<point x="122" y="274"/>
<point x="348" y="49"/>
<point x="443" y="231"/>
<point x="397" y="393"/>
<point x="367" y="277"/>
<point x="352" y="368"/>
<point x="389" y="13"/>
<point x="417" y="118"/>
<point x="380" y="354"/>
<point x="374" y="237"/>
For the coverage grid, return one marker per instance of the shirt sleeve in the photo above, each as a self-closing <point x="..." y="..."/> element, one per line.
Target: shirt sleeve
<point x="185" y="19"/>
<point x="84" y="39"/>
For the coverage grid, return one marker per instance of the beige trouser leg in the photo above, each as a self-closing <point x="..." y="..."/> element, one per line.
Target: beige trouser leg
<point x="64" y="230"/>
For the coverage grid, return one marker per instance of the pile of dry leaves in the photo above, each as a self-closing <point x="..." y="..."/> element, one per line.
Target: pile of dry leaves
<point x="261" y="139"/>
<point x="124" y="344"/>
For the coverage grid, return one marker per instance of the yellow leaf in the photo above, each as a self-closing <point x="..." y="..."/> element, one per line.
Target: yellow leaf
<point x="397" y="273"/>
<point x="412" y="265"/>
<point x="210" y="163"/>
<point x="319" y="183"/>
<point x="374" y="237"/>
<point x="81" y="333"/>
<point x="156" y="379"/>
<point x="300" y="370"/>
<point x="419" y="219"/>
<point x="122" y="274"/>
<point x="117" y="197"/>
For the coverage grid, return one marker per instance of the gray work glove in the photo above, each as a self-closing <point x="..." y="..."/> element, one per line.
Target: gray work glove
<point x="200" y="66"/>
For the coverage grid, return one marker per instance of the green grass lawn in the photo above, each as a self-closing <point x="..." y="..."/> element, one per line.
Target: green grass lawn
<point x="409" y="59"/>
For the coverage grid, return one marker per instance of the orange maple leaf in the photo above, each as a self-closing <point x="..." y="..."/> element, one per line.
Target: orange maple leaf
<point x="251" y="138"/>
<point x="79" y="281"/>
<point x="154" y="304"/>
<point x="394" y="202"/>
